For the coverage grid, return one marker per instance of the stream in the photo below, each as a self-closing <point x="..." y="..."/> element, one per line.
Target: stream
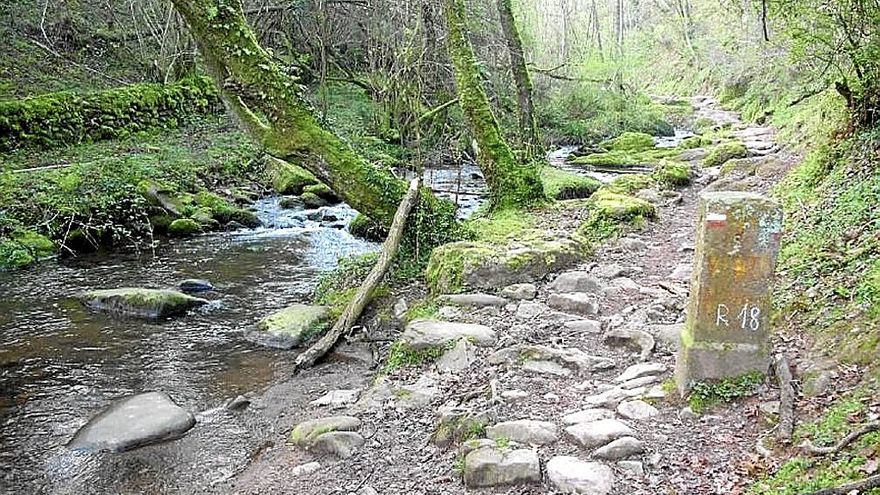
<point x="60" y="364"/>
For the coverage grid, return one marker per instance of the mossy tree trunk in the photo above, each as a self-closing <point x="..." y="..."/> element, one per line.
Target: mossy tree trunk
<point x="269" y="104"/>
<point x="511" y="183"/>
<point x="528" y="126"/>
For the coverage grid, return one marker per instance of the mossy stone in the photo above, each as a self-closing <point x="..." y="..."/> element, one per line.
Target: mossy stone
<point x="23" y="248"/>
<point x="323" y="191"/>
<point x="183" y="227"/>
<point x="365" y="228"/>
<point x="629" y="184"/>
<point x="287" y="178"/>
<point x="630" y="141"/>
<point x="621" y="207"/>
<point x="312" y="200"/>
<point x="139" y="302"/>
<point x="672" y="173"/>
<point x="725" y="151"/>
<point x="291" y="326"/>
<point x="560" y="185"/>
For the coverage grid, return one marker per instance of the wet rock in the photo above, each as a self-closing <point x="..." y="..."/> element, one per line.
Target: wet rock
<point x="472" y="300"/>
<point x="337" y="399"/>
<point x="577" y="281"/>
<point x="529" y="310"/>
<point x="133" y="422"/>
<point x="588" y="416"/>
<point x="459" y="358"/>
<point x="422" y="334"/>
<point x="629" y="336"/>
<point x="634" y="467"/>
<point x="640" y="370"/>
<point x="520" y="292"/>
<point x="496" y="467"/>
<point x="524" y="431"/>
<point x="195" y="286"/>
<point x="291" y="326"/>
<point x="598" y="433"/>
<point x="312" y="200"/>
<point x="574" y="302"/>
<point x="141" y="303"/>
<point x="620" y="449"/>
<point x="305" y="433"/>
<point x="637" y="409"/>
<point x="574" y="359"/>
<point x="572" y="475"/>
<point x="238" y="403"/>
<point x="584" y="326"/>
<point x="290" y="203"/>
<point x="342" y="444"/>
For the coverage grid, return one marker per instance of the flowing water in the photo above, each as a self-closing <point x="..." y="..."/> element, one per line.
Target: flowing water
<point x="59" y="364"/>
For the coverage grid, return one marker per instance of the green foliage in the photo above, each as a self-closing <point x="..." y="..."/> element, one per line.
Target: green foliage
<point x="561" y="185"/>
<point x="361" y="226"/>
<point x="401" y="355"/>
<point x="705" y="395"/>
<point x="583" y="113"/>
<point x="336" y="287"/>
<point x="63" y="118"/>
<point x="23" y="247"/>
<point x="720" y="154"/>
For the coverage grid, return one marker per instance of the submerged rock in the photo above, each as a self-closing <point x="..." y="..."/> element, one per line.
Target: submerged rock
<point x="142" y="303"/>
<point x="195" y="286"/>
<point x="133" y="422"/>
<point x="291" y="326"/>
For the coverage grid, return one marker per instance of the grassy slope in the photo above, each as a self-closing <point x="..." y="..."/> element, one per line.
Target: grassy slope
<point x="829" y="283"/>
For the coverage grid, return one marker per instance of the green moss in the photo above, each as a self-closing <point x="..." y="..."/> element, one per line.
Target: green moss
<point x="671" y="173"/>
<point x="401" y="355"/>
<point x="323" y="191"/>
<point x="66" y="117"/>
<point x="224" y="212"/>
<point x="625" y="158"/>
<point x="694" y="142"/>
<point x="630" y="141"/>
<point x="630" y="184"/>
<point x="24" y="247"/>
<point x="425" y="309"/>
<point x="312" y="200"/>
<point x="448" y="263"/>
<point x="742" y="166"/>
<point x="287" y="178"/>
<point x="183" y="227"/>
<point x="561" y="185"/>
<point x="614" y="206"/>
<point x="361" y="226"/>
<point x="500" y="225"/>
<point x="705" y="395"/>
<point x="720" y="154"/>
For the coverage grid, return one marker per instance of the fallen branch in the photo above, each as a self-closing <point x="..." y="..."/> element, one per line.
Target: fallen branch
<point x="852" y="437"/>
<point x="365" y="291"/>
<point x="854" y="487"/>
<point x="430" y="113"/>
<point x="786" y="400"/>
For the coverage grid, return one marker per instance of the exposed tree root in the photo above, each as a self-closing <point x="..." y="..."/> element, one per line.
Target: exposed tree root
<point x="852" y="437"/>
<point x="786" y="400"/>
<point x="854" y="487"/>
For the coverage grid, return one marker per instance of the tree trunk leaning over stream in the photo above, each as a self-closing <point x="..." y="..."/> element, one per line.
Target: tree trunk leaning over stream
<point x="528" y="126"/>
<point x="511" y="183"/>
<point x="268" y="103"/>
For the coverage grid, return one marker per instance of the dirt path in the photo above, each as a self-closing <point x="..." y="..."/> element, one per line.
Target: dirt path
<point x="544" y="363"/>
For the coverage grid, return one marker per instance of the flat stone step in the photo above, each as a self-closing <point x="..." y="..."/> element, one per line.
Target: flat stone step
<point x="423" y="334"/>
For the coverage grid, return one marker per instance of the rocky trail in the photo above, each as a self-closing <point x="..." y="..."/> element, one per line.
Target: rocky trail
<point x="559" y="386"/>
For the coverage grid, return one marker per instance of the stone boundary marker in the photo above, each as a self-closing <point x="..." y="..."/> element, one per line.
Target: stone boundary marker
<point x="727" y="330"/>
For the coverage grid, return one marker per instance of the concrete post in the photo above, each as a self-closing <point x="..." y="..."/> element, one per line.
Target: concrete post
<point x="727" y="330"/>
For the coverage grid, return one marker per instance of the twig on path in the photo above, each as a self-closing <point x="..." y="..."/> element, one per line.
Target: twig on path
<point x="786" y="400"/>
<point x="854" y="487"/>
<point x="852" y="437"/>
<point x="365" y="291"/>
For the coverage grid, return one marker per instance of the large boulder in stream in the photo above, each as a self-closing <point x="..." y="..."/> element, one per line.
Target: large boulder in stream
<point x="133" y="422"/>
<point x="141" y="303"/>
<point x="291" y="326"/>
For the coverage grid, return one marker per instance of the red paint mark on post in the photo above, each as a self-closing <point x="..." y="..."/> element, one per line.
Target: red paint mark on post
<point x="716" y="220"/>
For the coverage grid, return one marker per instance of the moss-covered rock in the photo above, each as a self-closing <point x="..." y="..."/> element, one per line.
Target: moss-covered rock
<point x="141" y="303"/>
<point x="624" y="159"/>
<point x="323" y="191"/>
<point x="620" y="207"/>
<point x="672" y="173"/>
<point x="184" y="227"/>
<point x="490" y="266"/>
<point x="559" y="184"/>
<point x="24" y="247"/>
<point x="629" y="184"/>
<point x="630" y="141"/>
<point x="224" y="212"/>
<point x="743" y="167"/>
<point x="695" y="142"/>
<point x="719" y="155"/>
<point x="291" y="326"/>
<point x="287" y="178"/>
<point x="312" y="200"/>
<point x="365" y="228"/>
